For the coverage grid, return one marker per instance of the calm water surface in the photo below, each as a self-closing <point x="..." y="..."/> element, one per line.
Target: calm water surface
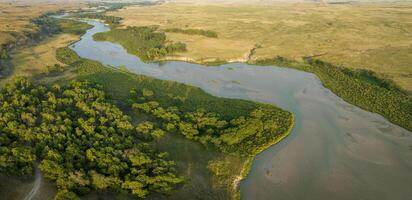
<point x="336" y="150"/>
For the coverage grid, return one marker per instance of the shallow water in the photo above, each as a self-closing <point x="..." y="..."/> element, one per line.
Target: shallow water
<point x="336" y="150"/>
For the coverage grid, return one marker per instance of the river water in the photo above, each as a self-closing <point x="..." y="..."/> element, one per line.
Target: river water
<point x="336" y="150"/>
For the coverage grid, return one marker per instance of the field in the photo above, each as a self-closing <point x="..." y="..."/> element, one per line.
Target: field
<point x="34" y="60"/>
<point x="15" y="18"/>
<point x="366" y="36"/>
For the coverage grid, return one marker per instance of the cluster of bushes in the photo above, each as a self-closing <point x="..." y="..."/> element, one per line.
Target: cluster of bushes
<point x="54" y="69"/>
<point x="111" y="6"/>
<point x="81" y="141"/>
<point x="4" y="55"/>
<point x="144" y="42"/>
<point x="206" y="33"/>
<point x="361" y="88"/>
<point x="244" y="135"/>
<point x="47" y="25"/>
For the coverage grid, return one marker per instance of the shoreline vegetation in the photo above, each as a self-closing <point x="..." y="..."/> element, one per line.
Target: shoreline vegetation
<point x="249" y="161"/>
<point x="48" y="27"/>
<point x="357" y="87"/>
<point x="356" y="36"/>
<point x="145" y="42"/>
<point x="95" y="72"/>
<point x="362" y="88"/>
<point x="148" y="103"/>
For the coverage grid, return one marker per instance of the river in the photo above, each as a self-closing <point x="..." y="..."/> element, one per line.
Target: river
<point x="336" y="150"/>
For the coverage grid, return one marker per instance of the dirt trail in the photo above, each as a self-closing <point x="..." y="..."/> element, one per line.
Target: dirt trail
<point x="36" y="186"/>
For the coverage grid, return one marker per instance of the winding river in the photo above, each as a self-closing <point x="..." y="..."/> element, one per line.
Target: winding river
<point x="336" y="150"/>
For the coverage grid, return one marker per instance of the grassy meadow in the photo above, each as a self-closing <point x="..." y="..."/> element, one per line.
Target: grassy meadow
<point x="15" y="18"/>
<point x="34" y="60"/>
<point x="365" y="36"/>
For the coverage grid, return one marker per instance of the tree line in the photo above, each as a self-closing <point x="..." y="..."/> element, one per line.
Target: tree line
<point x="111" y="20"/>
<point x="206" y="33"/>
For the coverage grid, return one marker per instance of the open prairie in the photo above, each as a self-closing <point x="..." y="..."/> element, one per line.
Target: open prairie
<point x="34" y="60"/>
<point x="15" y="18"/>
<point x="368" y="36"/>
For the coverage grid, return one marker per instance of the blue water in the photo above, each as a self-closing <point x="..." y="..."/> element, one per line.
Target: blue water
<point x="336" y="150"/>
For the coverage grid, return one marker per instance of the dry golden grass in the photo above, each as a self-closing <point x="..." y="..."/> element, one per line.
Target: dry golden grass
<point x="15" y="18"/>
<point x="34" y="60"/>
<point x="370" y="36"/>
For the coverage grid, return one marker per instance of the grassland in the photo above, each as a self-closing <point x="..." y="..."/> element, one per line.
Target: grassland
<point x="366" y="36"/>
<point x="34" y="60"/>
<point x="15" y="18"/>
<point x="39" y="57"/>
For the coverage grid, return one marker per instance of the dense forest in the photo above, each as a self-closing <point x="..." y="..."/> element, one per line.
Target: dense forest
<point x="79" y="140"/>
<point x="144" y="42"/>
<point x="362" y="88"/>
<point x="244" y="135"/>
<point x="206" y="33"/>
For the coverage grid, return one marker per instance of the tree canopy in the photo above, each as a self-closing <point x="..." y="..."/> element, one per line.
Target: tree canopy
<point x="244" y="135"/>
<point x="80" y="140"/>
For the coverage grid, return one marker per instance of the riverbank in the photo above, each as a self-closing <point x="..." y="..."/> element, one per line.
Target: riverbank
<point x="118" y="82"/>
<point x="355" y="35"/>
<point x="249" y="161"/>
<point x="362" y="88"/>
<point x="224" y="80"/>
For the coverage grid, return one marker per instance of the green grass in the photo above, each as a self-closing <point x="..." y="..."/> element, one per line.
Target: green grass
<point x="66" y="55"/>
